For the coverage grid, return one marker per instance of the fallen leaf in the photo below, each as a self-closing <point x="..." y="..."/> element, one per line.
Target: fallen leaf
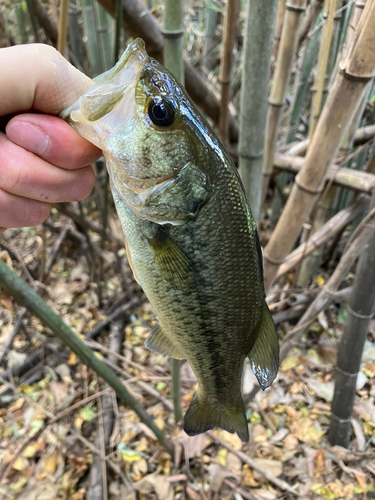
<point x="216" y="475"/>
<point x="273" y="467"/>
<point x="155" y="483"/>
<point x="323" y="390"/>
<point x="20" y="464"/>
<point x="234" y="463"/>
<point x="222" y="456"/>
<point x="319" y="463"/>
<point x="231" y="439"/>
<point x="360" y="437"/>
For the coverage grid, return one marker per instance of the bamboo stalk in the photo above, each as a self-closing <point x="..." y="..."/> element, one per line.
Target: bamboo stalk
<point x="75" y="33"/>
<point x="26" y="296"/>
<point x="173" y="33"/>
<point x="118" y="19"/>
<point x="360" y="311"/>
<point x="327" y="32"/>
<point x="105" y="29"/>
<point x="278" y="27"/>
<point x="323" y="208"/>
<point x="92" y="42"/>
<point x="309" y="21"/>
<point x="309" y="58"/>
<point x="138" y="21"/>
<point x="63" y="27"/>
<point x="34" y="24"/>
<point x="209" y="39"/>
<point x="21" y="22"/>
<point x="254" y="93"/>
<point x="334" y="226"/>
<point x="354" y="248"/>
<point x="345" y="177"/>
<point x="289" y="35"/>
<point x="345" y="94"/>
<point x="361" y="136"/>
<point x="230" y="19"/>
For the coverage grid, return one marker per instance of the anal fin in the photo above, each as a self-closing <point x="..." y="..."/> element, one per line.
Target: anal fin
<point x="159" y="341"/>
<point x="264" y="355"/>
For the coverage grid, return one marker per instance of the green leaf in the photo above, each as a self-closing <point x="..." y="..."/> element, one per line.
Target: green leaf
<point x="161" y="386"/>
<point x="342" y="315"/>
<point x="87" y="413"/>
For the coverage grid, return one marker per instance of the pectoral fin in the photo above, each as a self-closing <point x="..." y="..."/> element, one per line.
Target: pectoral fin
<point x="173" y="264"/>
<point x="264" y="355"/>
<point x="159" y="341"/>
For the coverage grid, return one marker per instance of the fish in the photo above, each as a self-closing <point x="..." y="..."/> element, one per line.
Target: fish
<point x="191" y="239"/>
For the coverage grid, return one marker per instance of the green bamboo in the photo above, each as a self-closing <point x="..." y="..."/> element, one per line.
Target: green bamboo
<point x="254" y="94"/>
<point x="75" y="33"/>
<point x="25" y="296"/>
<point x="118" y="28"/>
<point x="92" y="43"/>
<point x="20" y="14"/>
<point x="33" y="21"/>
<point x="105" y="25"/>
<point x="309" y="59"/>
<point x="209" y="40"/>
<point x="360" y="311"/>
<point x="173" y="33"/>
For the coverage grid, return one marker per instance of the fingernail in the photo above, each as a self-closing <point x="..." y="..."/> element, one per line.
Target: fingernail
<point x="29" y="137"/>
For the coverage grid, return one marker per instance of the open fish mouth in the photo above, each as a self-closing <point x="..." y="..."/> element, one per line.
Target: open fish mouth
<point x="107" y="104"/>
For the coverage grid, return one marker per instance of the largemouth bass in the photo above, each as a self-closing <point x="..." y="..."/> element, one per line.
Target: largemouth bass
<point x="191" y="240"/>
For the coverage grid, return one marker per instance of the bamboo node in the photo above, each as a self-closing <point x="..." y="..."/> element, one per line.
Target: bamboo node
<point x="307" y="189"/>
<point x="173" y="33"/>
<point x="296" y="7"/>
<point x="351" y="76"/>
<point x="341" y="420"/>
<point x="357" y="315"/>
<point x="347" y="374"/>
<point x="253" y="157"/>
<point x="273" y="262"/>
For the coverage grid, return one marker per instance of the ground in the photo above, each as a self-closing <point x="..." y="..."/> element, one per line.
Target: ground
<point x="56" y="416"/>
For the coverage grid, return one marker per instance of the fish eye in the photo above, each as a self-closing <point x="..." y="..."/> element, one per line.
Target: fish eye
<point x="161" y="112"/>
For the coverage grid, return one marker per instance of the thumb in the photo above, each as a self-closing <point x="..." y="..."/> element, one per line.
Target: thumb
<point x="37" y="77"/>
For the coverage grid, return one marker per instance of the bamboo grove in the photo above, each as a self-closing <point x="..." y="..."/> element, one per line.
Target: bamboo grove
<point x="289" y="88"/>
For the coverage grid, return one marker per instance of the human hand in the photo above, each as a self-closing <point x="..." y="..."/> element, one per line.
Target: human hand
<point x="42" y="159"/>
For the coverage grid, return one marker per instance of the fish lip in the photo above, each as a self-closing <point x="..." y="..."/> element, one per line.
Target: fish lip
<point x="136" y="48"/>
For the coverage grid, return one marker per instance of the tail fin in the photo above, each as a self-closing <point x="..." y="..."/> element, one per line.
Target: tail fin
<point x="203" y="415"/>
<point x="264" y="355"/>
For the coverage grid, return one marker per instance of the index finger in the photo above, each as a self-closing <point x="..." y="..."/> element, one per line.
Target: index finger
<point x="37" y="77"/>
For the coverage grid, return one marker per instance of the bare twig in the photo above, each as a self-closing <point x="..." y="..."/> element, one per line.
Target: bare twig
<point x="272" y="479"/>
<point x="15" y="332"/>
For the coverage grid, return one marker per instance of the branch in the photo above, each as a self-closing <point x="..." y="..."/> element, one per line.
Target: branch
<point x="25" y="296"/>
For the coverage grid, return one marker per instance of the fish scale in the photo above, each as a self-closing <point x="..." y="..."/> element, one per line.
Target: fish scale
<point x="190" y="236"/>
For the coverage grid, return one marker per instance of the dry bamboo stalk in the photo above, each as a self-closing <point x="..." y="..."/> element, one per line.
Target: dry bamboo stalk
<point x="344" y="96"/>
<point x="324" y="234"/>
<point x="329" y="16"/>
<point x="226" y="65"/>
<point x="345" y="177"/>
<point x="361" y="135"/>
<point x="278" y="27"/>
<point x="289" y="35"/>
<point x="63" y="27"/>
<point x="354" y="248"/>
<point x="309" y="21"/>
<point x="360" y="309"/>
<point x="351" y="33"/>
<point x="254" y="95"/>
